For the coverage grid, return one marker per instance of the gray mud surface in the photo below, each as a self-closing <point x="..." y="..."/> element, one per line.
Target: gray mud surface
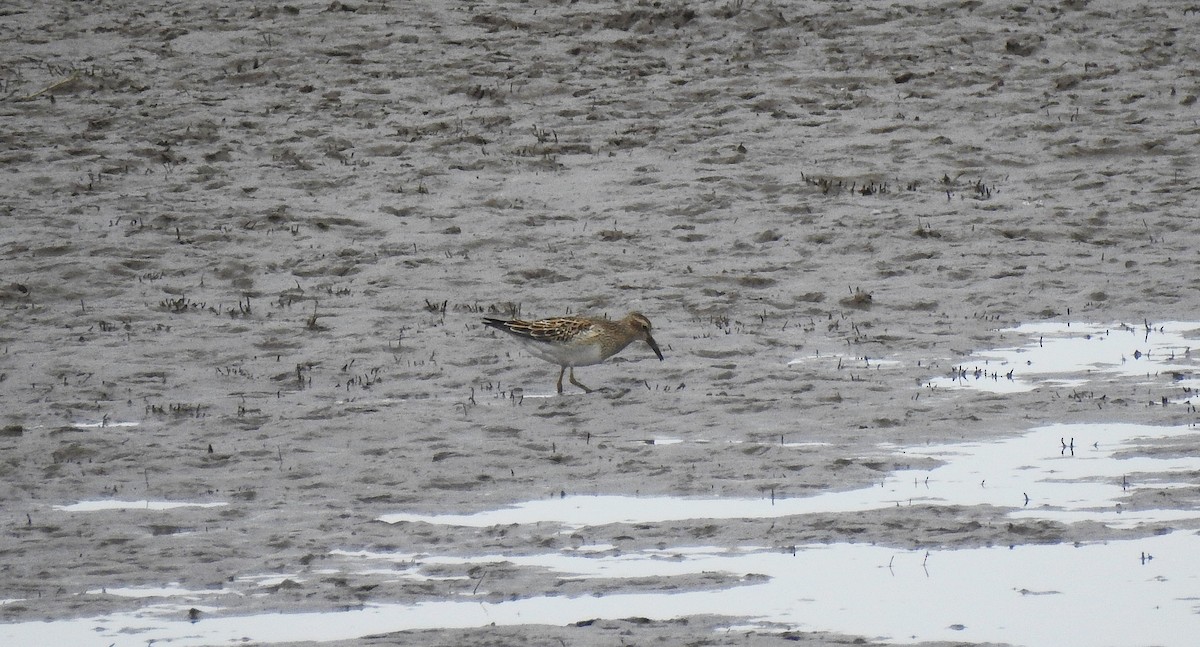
<point x="266" y="233"/>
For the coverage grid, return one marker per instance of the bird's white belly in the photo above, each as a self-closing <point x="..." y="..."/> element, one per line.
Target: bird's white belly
<point x="565" y="354"/>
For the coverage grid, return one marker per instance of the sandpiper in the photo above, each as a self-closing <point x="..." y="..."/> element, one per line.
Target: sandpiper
<point x="577" y="341"/>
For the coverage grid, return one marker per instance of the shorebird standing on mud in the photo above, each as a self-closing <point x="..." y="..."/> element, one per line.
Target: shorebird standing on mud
<point x="577" y="341"/>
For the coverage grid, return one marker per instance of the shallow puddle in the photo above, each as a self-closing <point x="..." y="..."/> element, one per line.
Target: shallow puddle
<point x="841" y="361"/>
<point x="1069" y="355"/>
<point x="1026" y="595"/>
<point x="114" y="504"/>
<point x="172" y="590"/>
<point x="103" y="424"/>
<point x="1058" y="472"/>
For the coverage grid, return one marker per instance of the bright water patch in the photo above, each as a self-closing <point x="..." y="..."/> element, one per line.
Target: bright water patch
<point x="858" y="362"/>
<point x="113" y="504"/>
<point x="1058" y="472"/>
<point x="103" y="424"/>
<point x="1065" y="595"/>
<point x="1069" y="355"/>
<point x="172" y="590"/>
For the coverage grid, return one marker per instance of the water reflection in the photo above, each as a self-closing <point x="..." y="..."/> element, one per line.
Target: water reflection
<point x="1058" y="472"/>
<point x="1069" y="355"/>
<point x="1026" y="595"/>
<point x="115" y="504"/>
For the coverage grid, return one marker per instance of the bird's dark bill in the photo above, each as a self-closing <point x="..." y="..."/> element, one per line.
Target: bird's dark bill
<point x="654" y="347"/>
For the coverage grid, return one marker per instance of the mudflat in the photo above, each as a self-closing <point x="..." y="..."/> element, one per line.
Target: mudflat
<point x="247" y="248"/>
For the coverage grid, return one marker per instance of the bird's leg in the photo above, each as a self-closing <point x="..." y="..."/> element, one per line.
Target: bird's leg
<point x="576" y="382"/>
<point x="560" y="374"/>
